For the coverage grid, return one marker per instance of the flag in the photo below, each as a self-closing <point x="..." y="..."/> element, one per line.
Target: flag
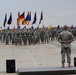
<point x="72" y="27"/>
<point x="35" y="18"/>
<point x="41" y="18"/>
<point x="18" y="27"/>
<point x="32" y="27"/>
<point x="58" y="27"/>
<point x="5" y="20"/>
<point x="21" y="17"/>
<point x="24" y="28"/>
<point x="10" y="19"/>
<point x="27" y="19"/>
<point x="8" y="28"/>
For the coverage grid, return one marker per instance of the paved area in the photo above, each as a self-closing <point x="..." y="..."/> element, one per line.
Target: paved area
<point x="39" y="55"/>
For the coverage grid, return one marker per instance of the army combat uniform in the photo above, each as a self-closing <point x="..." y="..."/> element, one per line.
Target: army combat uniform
<point x="65" y="38"/>
<point x="7" y="38"/>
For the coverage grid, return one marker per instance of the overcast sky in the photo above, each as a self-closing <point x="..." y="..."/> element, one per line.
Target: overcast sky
<point x="54" y="11"/>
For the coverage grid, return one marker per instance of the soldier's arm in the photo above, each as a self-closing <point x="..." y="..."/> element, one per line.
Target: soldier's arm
<point x="60" y="39"/>
<point x="71" y="38"/>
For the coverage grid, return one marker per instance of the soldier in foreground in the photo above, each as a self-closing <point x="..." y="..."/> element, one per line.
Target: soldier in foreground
<point x="66" y="38"/>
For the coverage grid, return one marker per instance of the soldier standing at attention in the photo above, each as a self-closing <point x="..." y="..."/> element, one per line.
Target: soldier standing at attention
<point x="66" y="38"/>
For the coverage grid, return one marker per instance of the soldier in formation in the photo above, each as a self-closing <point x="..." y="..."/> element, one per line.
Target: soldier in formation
<point x="31" y="36"/>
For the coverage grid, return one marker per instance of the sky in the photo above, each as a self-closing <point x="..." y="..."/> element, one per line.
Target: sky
<point x="55" y="12"/>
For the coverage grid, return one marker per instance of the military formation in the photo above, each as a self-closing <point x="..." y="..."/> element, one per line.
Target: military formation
<point x="31" y="36"/>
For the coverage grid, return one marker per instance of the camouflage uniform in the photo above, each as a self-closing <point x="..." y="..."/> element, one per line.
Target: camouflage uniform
<point x="38" y="36"/>
<point x="24" y="37"/>
<point x="18" y="38"/>
<point x="29" y="36"/>
<point x="34" y="37"/>
<point x="66" y="38"/>
<point x="7" y="38"/>
<point x="1" y="33"/>
<point x="3" y="36"/>
<point x="46" y="35"/>
<point x="42" y="36"/>
<point x="13" y="37"/>
<point x="52" y="35"/>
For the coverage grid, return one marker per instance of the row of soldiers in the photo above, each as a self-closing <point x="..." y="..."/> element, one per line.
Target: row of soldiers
<point x="30" y="36"/>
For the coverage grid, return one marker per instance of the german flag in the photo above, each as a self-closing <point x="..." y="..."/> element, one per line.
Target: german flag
<point x="27" y="19"/>
<point x="21" y="17"/>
